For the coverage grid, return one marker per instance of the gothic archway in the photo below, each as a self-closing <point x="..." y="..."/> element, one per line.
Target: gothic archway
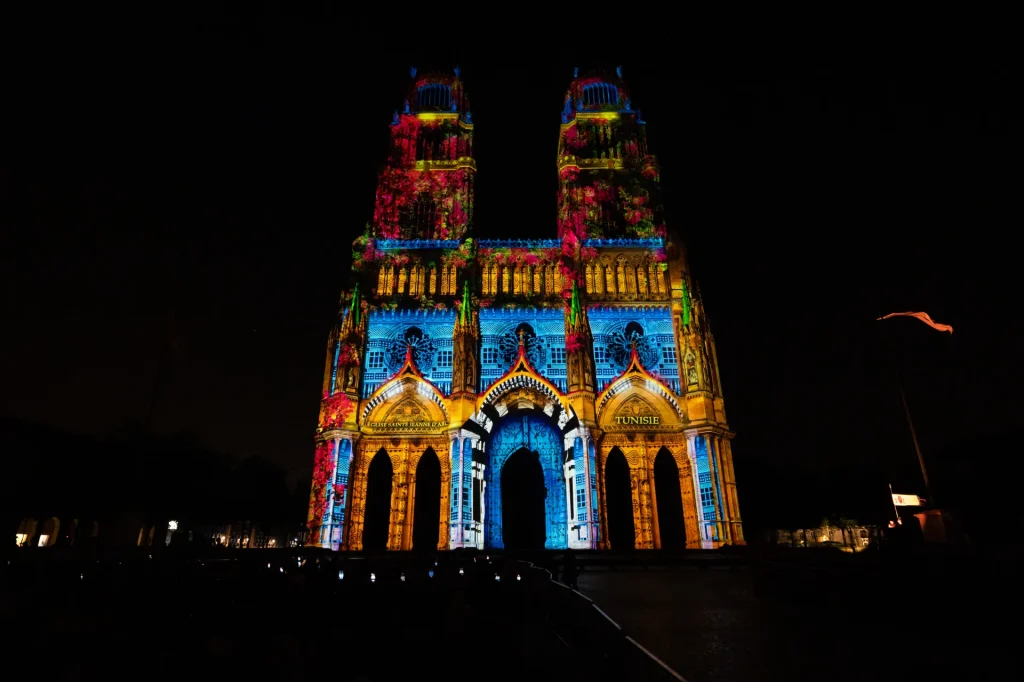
<point x="537" y="434"/>
<point x="377" y="516"/>
<point x="619" y="498"/>
<point x="522" y="501"/>
<point x="671" y="526"/>
<point x="427" y="504"/>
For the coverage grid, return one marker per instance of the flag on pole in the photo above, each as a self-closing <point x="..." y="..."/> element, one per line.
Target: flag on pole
<point x="924" y="317"/>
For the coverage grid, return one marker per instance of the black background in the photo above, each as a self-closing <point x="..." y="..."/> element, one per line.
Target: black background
<point x="199" y="185"/>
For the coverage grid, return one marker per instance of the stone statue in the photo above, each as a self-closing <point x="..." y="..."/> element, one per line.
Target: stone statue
<point x="412" y="72"/>
<point x="394" y="117"/>
<point x="575" y="72"/>
<point x="618" y="71"/>
<point x="469" y="117"/>
<point x="455" y="105"/>
<point x="458" y="71"/>
<point x="405" y="109"/>
<point x="629" y="105"/>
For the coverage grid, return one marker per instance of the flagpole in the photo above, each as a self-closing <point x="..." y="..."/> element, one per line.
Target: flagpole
<point x="926" y="318"/>
<point x="917" y="447"/>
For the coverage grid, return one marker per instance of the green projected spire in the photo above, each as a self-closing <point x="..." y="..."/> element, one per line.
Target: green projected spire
<point x="354" y="309"/>
<point x="574" y="305"/>
<point x="464" y="310"/>
<point x="686" y="306"/>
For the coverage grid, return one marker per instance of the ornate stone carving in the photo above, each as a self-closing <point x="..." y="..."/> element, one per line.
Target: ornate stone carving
<point x="635" y="406"/>
<point x="407" y="410"/>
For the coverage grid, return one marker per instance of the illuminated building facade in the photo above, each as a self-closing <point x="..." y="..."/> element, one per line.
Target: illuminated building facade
<point x="584" y="360"/>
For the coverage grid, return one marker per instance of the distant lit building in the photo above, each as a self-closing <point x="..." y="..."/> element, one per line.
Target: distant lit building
<point x="460" y="356"/>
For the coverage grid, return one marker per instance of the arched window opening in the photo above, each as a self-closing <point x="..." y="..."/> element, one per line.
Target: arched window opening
<point x="671" y="526"/>
<point x="377" y="514"/>
<point x="427" y="505"/>
<point x="619" y="496"/>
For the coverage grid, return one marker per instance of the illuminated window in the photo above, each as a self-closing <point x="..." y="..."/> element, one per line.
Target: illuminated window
<point x="444" y="358"/>
<point x="20" y="539"/>
<point x="600" y="354"/>
<point x="43" y="540"/>
<point x="375" y="359"/>
<point x="706" y="498"/>
<point x="579" y="480"/>
<point x="668" y="355"/>
<point x="558" y="355"/>
<point x="581" y="500"/>
<point x="490" y="356"/>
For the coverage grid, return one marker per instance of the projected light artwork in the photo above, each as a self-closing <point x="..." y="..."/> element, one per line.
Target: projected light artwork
<point x="521" y="393"/>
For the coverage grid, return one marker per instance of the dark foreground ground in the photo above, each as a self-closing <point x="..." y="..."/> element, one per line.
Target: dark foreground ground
<point x="259" y="614"/>
<point x="808" y="615"/>
<point x="270" y="614"/>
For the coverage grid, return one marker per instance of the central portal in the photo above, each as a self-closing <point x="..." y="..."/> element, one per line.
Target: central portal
<point x="522" y="501"/>
<point x="525" y="453"/>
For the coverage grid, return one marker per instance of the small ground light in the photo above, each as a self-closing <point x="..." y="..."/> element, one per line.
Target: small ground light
<point x="268" y="565"/>
<point x="497" y="577"/>
<point x="81" y="576"/>
<point x="403" y="577"/>
<point x="281" y="569"/>
<point x="462" y="572"/>
<point x="430" y="573"/>
<point x="435" y="562"/>
<point x="341" y="575"/>
<point x="373" y="577"/>
<point x="518" y="577"/>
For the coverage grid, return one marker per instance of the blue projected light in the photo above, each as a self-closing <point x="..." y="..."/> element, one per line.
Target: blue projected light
<point x="390" y="333"/>
<point x="615" y="330"/>
<point x="540" y="436"/>
<point x="544" y="335"/>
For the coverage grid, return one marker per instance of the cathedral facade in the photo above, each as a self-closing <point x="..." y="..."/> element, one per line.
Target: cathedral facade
<point x="530" y="393"/>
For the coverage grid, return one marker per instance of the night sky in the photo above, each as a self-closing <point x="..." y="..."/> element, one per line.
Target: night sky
<point x="198" y="188"/>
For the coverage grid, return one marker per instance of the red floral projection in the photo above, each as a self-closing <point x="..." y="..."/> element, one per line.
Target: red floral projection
<point x="323" y="468"/>
<point x="335" y="410"/>
<point x="399" y="188"/>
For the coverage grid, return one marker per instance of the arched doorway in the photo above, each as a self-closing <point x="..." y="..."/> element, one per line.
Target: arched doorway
<point x="539" y="435"/>
<point x="427" y="505"/>
<point x="670" y="501"/>
<point x="377" y="514"/>
<point x="619" y="496"/>
<point x="522" y="502"/>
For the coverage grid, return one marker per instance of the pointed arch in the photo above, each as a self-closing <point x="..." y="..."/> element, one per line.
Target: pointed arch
<point x="402" y="400"/>
<point x="668" y="493"/>
<point x="377" y="515"/>
<point x="619" y="499"/>
<point x="427" y="502"/>
<point x="636" y="393"/>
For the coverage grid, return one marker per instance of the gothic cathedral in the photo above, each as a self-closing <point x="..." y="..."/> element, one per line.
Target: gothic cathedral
<point x="521" y="393"/>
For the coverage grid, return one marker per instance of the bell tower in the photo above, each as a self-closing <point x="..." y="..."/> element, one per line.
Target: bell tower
<point x="608" y="179"/>
<point x="426" y="190"/>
